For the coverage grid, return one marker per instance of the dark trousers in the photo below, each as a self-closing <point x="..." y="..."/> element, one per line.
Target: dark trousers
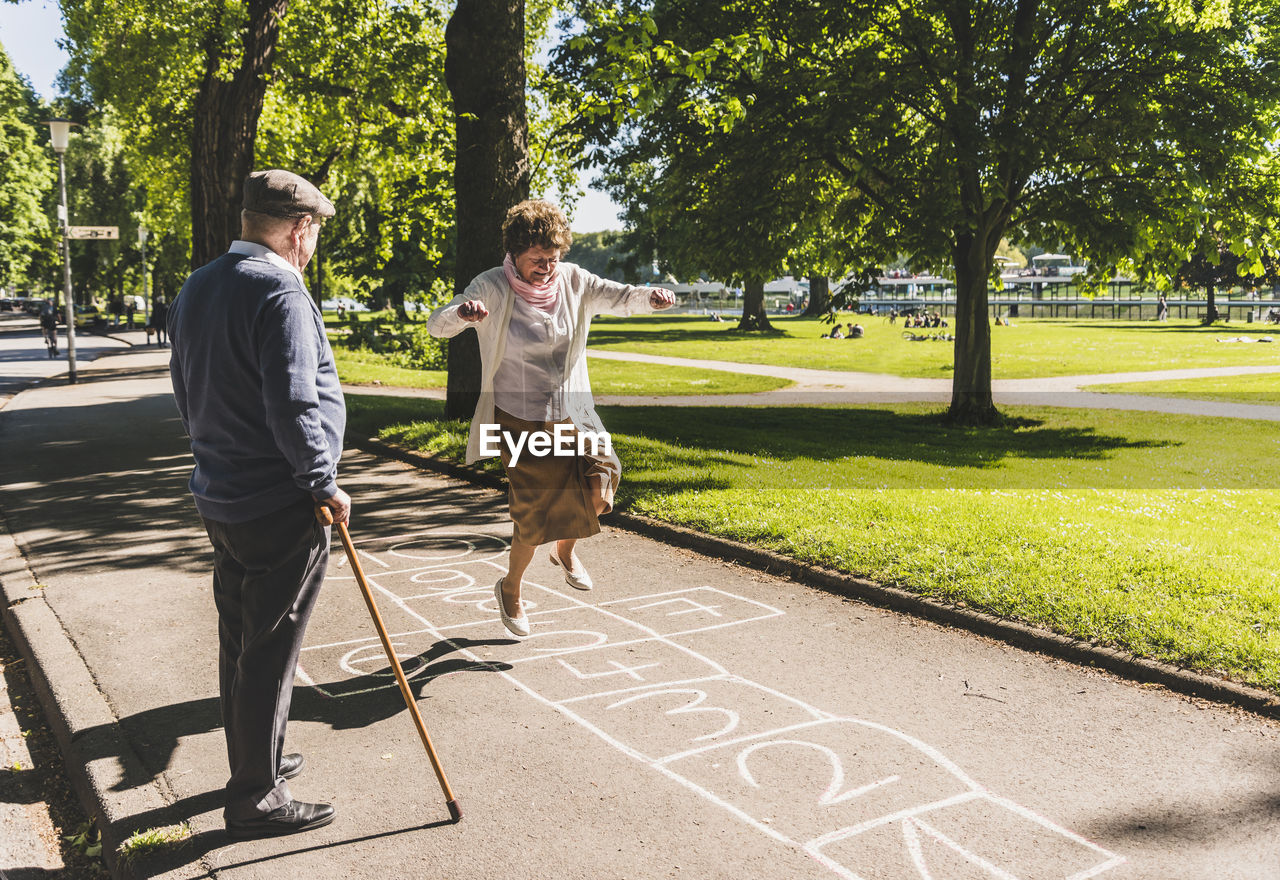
<point x="267" y="574"/>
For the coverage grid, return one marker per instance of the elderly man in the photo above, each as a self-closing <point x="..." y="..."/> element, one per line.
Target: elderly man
<point x="254" y="380"/>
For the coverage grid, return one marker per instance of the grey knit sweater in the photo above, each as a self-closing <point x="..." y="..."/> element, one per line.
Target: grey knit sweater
<point x="255" y="384"/>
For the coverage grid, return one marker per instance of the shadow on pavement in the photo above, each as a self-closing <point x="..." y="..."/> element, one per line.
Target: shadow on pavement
<point x="1192" y="824"/>
<point x="98" y="375"/>
<point x="365" y="700"/>
<point x="206" y="842"/>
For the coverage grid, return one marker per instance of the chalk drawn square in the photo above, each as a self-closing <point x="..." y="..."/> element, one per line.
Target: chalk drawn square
<point x="681" y="612"/>
<point x="815" y="779"/>
<point x="417" y="551"/>
<point x="469" y="606"/>
<point x="566" y="677"/>
<point x="986" y="838"/>
<point x="359" y="665"/>
<point x="684" y="715"/>
<point x="570" y="629"/>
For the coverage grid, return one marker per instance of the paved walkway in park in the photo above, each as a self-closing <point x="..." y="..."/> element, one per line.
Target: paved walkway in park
<point x="690" y="718"/>
<point x="815" y="387"/>
<point x="837" y="386"/>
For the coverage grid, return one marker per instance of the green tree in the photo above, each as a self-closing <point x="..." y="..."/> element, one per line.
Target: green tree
<point x="491" y="163"/>
<point x="27" y="174"/>
<point x="1222" y="268"/>
<point x="943" y="125"/>
<point x="602" y="253"/>
<point x="349" y="94"/>
<point x="359" y="106"/>
<point x="101" y="192"/>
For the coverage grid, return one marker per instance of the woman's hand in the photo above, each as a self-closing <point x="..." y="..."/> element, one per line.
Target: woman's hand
<point x="661" y="298"/>
<point x="473" y="311"/>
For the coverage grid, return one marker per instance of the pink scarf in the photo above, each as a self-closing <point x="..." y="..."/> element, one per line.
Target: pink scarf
<point x="543" y="297"/>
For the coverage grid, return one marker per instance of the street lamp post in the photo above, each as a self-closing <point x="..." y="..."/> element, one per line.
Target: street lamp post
<point x="143" y="232"/>
<point x="60" y="136"/>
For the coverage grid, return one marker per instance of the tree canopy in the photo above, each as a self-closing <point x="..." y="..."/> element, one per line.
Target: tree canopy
<point x="355" y="100"/>
<point x="27" y="175"/>
<point x="931" y="127"/>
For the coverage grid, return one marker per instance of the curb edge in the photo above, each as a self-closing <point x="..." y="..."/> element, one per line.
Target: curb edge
<point x="1020" y="635"/>
<point x="84" y="726"/>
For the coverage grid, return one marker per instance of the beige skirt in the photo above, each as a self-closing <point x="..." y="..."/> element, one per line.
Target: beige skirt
<point x="552" y="496"/>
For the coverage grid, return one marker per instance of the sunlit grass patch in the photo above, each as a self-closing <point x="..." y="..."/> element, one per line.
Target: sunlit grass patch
<point x="144" y="843"/>
<point x="1149" y="532"/>
<point x="1029" y="349"/>
<point x="1261" y="389"/>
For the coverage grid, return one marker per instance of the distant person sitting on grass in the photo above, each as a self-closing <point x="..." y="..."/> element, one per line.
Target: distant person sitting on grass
<point x="856" y="331"/>
<point x="531" y="315"/>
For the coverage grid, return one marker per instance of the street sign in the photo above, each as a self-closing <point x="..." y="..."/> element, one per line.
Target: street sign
<point x="101" y="233"/>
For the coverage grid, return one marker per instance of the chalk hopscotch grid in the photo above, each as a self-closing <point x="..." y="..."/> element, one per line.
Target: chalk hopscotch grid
<point x="914" y="830"/>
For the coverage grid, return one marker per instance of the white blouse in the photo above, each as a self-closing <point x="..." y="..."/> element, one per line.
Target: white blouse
<point x="530" y="382"/>
<point x="582" y="295"/>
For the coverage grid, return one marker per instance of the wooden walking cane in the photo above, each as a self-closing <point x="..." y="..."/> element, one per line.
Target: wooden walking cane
<point x="325" y="515"/>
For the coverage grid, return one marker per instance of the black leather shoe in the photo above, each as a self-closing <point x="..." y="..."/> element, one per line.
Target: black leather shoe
<point x="293" y="817"/>
<point x="291" y="765"/>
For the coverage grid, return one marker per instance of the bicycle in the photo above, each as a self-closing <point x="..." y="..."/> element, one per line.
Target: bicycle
<point x="51" y="341"/>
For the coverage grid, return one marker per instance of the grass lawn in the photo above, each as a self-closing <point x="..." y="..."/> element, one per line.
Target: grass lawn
<point x="607" y="377"/>
<point x="1234" y="389"/>
<point x="1151" y="532"/>
<point x="357" y="367"/>
<point x="1028" y="349"/>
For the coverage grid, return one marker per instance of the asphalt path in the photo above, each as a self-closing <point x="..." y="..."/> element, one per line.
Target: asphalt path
<point x="25" y="361"/>
<point x="839" y="387"/>
<point x="689" y="719"/>
<point x="825" y="387"/>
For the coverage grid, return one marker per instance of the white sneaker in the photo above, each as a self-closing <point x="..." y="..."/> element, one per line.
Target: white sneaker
<point x="579" y="579"/>
<point x="517" y="625"/>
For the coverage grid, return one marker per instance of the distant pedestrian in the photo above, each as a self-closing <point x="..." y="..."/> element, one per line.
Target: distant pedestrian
<point x="531" y="315"/>
<point x="130" y="306"/>
<point x="255" y="383"/>
<point x="160" y="320"/>
<point x="49" y="328"/>
<point x="1162" y="308"/>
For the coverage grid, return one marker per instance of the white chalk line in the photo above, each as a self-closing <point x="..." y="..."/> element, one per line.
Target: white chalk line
<point x="911" y="829"/>
<point x="813" y="847"/>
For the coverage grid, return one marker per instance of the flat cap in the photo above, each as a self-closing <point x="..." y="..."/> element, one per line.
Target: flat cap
<point x="284" y="194"/>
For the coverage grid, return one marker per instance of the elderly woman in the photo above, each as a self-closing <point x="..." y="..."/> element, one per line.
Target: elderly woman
<point x="532" y="315"/>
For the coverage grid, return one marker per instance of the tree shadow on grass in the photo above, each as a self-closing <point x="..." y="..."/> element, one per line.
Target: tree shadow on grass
<point x="606" y="334"/>
<point x="1165" y="328"/>
<point x="825" y="434"/>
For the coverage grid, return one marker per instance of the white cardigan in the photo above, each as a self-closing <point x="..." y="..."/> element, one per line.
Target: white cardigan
<point x="587" y="295"/>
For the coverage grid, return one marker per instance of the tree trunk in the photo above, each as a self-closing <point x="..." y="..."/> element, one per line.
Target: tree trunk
<point x="753" y="316"/>
<point x="225" y="128"/>
<point x="1211" y="304"/>
<point x="971" y="401"/>
<point x="819" y="296"/>
<point x="484" y="69"/>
